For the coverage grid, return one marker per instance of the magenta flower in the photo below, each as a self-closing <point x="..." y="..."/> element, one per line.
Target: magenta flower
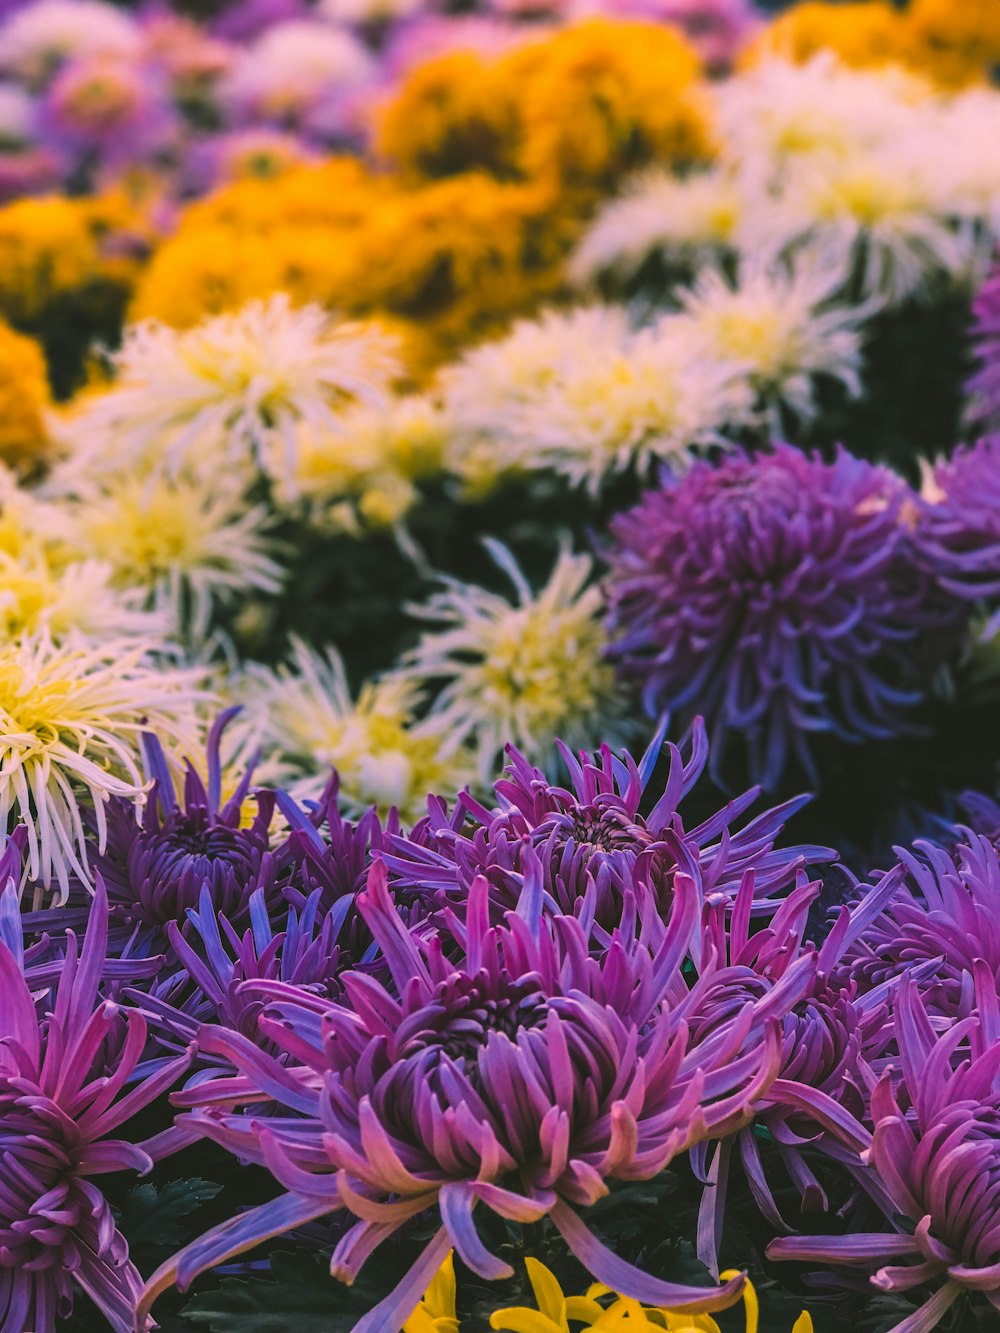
<point x="591" y="838"/>
<point x="934" y="925"/>
<point x="521" y="1079"/>
<point x="934" y="1155"/>
<point x="66" y="1058"/>
<point x="778" y="595"/>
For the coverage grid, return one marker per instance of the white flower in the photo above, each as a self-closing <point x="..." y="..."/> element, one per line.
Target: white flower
<point x="364" y="473"/>
<point x="658" y="395"/>
<point x="75" y="602"/>
<point x="878" y="216"/>
<point x="294" y="66"/>
<point x="526" y="671"/>
<point x="778" y="113"/>
<point x="36" y="40"/>
<point x="304" y="717"/>
<point x="70" y="721"/>
<point x="783" y="324"/>
<point x="187" y="545"/>
<point x="232" y="390"/>
<point x="689" y="218"/>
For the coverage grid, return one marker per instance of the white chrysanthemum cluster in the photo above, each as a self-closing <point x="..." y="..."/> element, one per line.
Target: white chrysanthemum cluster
<point x="873" y="174"/>
<point x="35" y="40"/>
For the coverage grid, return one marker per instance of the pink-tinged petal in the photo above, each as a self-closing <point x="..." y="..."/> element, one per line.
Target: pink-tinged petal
<point x="930" y="1314"/>
<point x="456" y="1202"/>
<point x="863" y="1247"/>
<point x="393" y="1312"/>
<point x="606" y="1267"/>
<point x="515" y="1207"/>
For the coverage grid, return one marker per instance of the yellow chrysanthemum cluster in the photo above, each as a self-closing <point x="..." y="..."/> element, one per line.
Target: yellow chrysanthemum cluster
<point x="953" y="43"/>
<point x="579" y="108"/>
<point x="439" y="263"/>
<point x="24" y="398"/>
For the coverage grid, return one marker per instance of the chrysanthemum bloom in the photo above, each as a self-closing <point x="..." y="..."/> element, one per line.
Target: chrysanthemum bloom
<point x="658" y="394"/>
<point x="58" y="1106"/>
<point x="70" y="720"/>
<point x="830" y="1037"/>
<point x="717" y="29"/>
<point x="108" y="107"/>
<point x="79" y="601"/>
<point x="683" y="221"/>
<point x="385" y="757"/>
<point x="861" y="34"/>
<point x="189" y="543"/>
<point x="154" y="870"/>
<point x="958" y="46"/>
<point x="591" y="843"/>
<point x="960" y="519"/>
<point x="778" y="115"/>
<point x="365" y="476"/>
<point x="524" y="672"/>
<point x="784" y="325"/>
<point x="778" y="595"/>
<point x="253" y="154"/>
<point x="600" y="1308"/>
<point x="24" y="398"/>
<point x="880" y="216"/>
<point x="942" y="919"/>
<point x="293" y="69"/>
<point x="37" y="39"/>
<point x="234" y="388"/>
<point x="984" y="387"/>
<point x="935" y="1155"/>
<point x="523" y="1079"/>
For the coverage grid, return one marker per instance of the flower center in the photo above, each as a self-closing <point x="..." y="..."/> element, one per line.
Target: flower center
<point x="466" y="1011"/>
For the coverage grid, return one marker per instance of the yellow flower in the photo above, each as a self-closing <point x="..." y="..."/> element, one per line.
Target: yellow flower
<point x="869" y="32"/>
<point x="452" y="114"/>
<point x="603" y="98"/>
<point x="436" y="1312"/>
<point x="24" y="397"/>
<point x="957" y="42"/>
<point x="595" y="1310"/>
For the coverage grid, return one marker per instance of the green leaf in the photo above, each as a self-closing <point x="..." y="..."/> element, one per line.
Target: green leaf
<point x="153" y="1220"/>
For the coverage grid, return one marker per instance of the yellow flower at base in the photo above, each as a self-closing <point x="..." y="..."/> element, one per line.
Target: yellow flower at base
<point x="24" y="398"/>
<point x="436" y="1312"/>
<point x="556" y="1311"/>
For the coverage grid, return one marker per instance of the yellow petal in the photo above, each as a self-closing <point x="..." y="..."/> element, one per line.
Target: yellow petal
<point x="519" y="1319"/>
<point x="804" y="1323"/>
<point x="548" y="1292"/>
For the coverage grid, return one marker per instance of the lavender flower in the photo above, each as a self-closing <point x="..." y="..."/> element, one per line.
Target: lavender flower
<point x="155" y="871"/>
<point x="984" y="387"/>
<point x="960" y="520"/>
<point x="58" y="1105"/>
<point x="522" y="1079"/>
<point x="777" y="595"/>
<point x="592" y="833"/>
<point x="943" y="920"/>
<point x="934" y="1155"/>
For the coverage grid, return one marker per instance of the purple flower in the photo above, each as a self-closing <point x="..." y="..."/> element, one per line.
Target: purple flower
<point x="779" y="596"/>
<point x="521" y="1079"/>
<point x="960" y="520"/>
<point x="58" y="1105"/>
<point x="592" y="840"/>
<point x="936" y="924"/>
<point x="984" y="387"/>
<point x="934" y="1155"/>
<point x="155" y="871"/>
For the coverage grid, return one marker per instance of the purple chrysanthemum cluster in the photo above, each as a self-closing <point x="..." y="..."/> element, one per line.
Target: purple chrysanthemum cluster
<point x="499" y="1017"/>
<point x="984" y="386"/>
<point x="782" y="595"/>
